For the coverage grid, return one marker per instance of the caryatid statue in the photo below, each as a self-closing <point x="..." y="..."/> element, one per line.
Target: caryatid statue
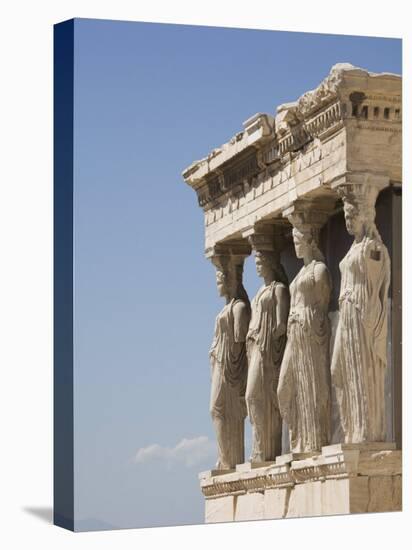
<point x="304" y="384"/>
<point x="266" y="341"/>
<point x="228" y="359"/>
<point x="360" y="353"/>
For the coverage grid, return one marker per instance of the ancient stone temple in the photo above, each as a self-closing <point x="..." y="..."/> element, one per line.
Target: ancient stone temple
<point x="313" y="361"/>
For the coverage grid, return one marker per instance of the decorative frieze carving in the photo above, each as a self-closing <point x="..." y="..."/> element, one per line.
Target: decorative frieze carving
<point x="327" y="91"/>
<point x="231" y="177"/>
<point x="242" y="170"/>
<point x="228" y="357"/>
<point x="360" y="351"/>
<point x="328" y="121"/>
<point x="304" y="384"/>
<point x="334" y="462"/>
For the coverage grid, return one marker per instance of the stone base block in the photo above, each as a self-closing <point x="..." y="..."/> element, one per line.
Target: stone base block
<point x="276" y="502"/>
<point x="220" y="509"/>
<point x="290" y="457"/>
<point x="208" y="474"/>
<point x="342" y="479"/>
<point x="247" y="466"/>
<point x="249" y="505"/>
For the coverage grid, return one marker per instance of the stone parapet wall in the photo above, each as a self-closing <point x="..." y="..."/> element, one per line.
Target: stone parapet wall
<point x="341" y="479"/>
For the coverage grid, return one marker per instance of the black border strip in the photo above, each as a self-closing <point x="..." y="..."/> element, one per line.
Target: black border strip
<point x="63" y="63"/>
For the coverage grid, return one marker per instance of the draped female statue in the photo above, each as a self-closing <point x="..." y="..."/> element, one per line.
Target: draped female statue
<point x="359" y="354"/>
<point x="229" y="366"/>
<point x="304" y="384"/>
<point x="266" y="341"/>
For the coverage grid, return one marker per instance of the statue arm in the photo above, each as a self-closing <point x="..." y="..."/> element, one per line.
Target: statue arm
<point x="323" y="283"/>
<point x="377" y="270"/>
<point x="378" y="276"/>
<point x="282" y="309"/>
<point x="241" y="318"/>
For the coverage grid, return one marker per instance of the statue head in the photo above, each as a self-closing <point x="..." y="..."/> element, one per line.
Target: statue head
<point x="229" y="272"/>
<point x="229" y="275"/>
<point x="359" y="218"/>
<point x="264" y="263"/>
<point x="225" y="283"/>
<point x="268" y="266"/>
<point x="359" y="209"/>
<point x="306" y="245"/>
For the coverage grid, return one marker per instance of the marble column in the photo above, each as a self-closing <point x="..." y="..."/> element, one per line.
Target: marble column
<point x="304" y="385"/>
<point x="228" y="358"/>
<point x="360" y="351"/>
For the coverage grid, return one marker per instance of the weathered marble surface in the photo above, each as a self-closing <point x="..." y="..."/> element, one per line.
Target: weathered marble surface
<point x="342" y="479"/>
<point x="360" y="350"/>
<point x="339" y="141"/>
<point x="266" y="341"/>
<point x="304" y="384"/>
<point x="228" y="362"/>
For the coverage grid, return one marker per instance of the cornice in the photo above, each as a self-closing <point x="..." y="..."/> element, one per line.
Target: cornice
<point x="349" y="98"/>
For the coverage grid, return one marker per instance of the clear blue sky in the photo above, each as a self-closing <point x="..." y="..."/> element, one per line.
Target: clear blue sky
<point x="149" y="100"/>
